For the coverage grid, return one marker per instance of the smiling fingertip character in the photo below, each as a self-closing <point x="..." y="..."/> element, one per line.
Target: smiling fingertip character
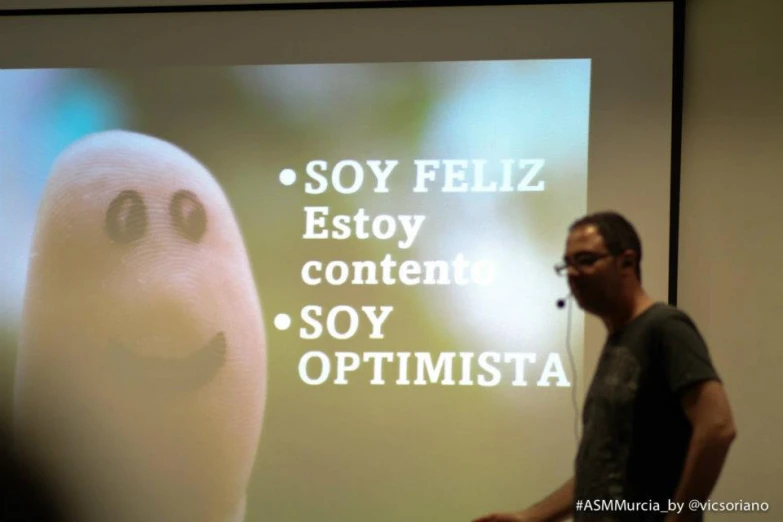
<point x="141" y="372"/>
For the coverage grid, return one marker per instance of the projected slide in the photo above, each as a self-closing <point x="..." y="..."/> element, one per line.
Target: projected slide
<point x="292" y="292"/>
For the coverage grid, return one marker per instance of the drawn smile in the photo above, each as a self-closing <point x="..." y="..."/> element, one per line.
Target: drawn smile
<point x="174" y="375"/>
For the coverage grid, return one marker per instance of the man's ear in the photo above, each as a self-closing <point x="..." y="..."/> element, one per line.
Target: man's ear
<point x="629" y="258"/>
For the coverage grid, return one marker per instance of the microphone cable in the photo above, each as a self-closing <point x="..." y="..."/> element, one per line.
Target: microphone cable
<point x="570" y="303"/>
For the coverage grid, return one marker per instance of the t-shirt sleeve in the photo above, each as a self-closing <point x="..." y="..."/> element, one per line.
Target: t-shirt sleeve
<point x="686" y="359"/>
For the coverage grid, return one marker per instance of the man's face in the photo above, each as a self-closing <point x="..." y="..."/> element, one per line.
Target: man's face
<point x="593" y="274"/>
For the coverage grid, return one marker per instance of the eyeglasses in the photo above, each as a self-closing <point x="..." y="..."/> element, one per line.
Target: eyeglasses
<point x="580" y="261"/>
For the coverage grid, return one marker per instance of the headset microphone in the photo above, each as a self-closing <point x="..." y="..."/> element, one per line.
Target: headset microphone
<point x="562" y="302"/>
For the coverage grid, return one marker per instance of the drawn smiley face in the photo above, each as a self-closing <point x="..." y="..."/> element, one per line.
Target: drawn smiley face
<point x="141" y="268"/>
<point x="126" y="224"/>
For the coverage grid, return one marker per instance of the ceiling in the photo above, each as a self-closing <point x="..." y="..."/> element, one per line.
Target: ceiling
<point x="59" y="4"/>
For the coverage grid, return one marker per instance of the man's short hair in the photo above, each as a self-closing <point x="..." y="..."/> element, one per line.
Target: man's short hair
<point x="618" y="233"/>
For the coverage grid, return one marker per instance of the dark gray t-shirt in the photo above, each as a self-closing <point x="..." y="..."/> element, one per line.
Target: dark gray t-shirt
<point x="635" y="433"/>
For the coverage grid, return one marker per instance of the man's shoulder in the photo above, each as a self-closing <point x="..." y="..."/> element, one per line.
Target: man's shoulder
<point x="662" y="322"/>
<point x="673" y="330"/>
<point x="660" y="315"/>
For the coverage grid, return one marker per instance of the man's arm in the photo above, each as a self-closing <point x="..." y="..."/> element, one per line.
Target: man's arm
<point x="554" y="508"/>
<point x="707" y="407"/>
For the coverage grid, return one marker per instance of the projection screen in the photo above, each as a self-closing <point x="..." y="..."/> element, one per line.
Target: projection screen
<point x="295" y="262"/>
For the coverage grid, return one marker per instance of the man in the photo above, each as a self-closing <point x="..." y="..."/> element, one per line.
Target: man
<point x="656" y="424"/>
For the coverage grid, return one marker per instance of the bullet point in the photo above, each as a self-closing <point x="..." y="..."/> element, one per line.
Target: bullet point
<point x="287" y="177"/>
<point x="282" y="321"/>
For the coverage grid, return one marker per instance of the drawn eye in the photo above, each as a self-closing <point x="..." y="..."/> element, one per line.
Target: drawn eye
<point x="126" y="218"/>
<point x="188" y="215"/>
